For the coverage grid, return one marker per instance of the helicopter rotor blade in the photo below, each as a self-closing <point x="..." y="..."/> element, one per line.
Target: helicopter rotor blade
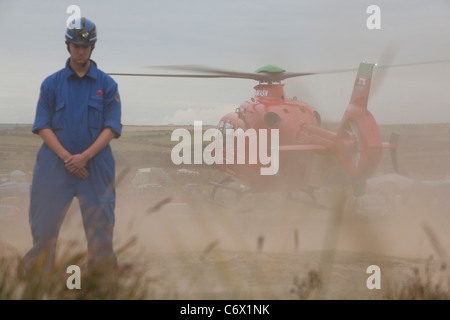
<point x="215" y="72"/>
<point x="382" y="67"/>
<point x="167" y="75"/>
<point x="386" y="63"/>
<point x="262" y="76"/>
<point x="412" y="64"/>
<point x="202" y="68"/>
<point x="287" y="75"/>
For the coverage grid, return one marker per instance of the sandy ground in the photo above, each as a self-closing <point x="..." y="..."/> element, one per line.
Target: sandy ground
<point x="267" y="247"/>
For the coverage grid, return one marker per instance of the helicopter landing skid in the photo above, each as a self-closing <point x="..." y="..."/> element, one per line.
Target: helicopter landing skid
<point x="237" y="192"/>
<point x="312" y="200"/>
<point x="308" y="190"/>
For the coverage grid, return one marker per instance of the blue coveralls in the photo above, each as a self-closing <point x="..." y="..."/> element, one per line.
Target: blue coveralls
<point x="77" y="110"/>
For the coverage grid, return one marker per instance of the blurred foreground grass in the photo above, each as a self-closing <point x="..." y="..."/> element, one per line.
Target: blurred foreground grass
<point x="124" y="282"/>
<point x="217" y="275"/>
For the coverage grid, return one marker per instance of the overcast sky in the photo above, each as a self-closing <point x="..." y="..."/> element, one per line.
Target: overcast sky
<point x="240" y="35"/>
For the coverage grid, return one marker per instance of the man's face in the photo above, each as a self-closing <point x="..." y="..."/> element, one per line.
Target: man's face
<point x="80" y="54"/>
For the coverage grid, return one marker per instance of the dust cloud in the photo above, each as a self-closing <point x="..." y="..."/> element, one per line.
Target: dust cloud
<point x="268" y="246"/>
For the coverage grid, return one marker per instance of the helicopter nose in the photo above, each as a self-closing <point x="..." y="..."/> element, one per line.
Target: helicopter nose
<point x="272" y="119"/>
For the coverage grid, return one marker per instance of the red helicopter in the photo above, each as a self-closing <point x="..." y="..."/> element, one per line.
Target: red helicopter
<point x="356" y="145"/>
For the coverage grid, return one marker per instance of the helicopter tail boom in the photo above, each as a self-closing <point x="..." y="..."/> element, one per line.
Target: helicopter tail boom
<point x="361" y="88"/>
<point x="358" y="142"/>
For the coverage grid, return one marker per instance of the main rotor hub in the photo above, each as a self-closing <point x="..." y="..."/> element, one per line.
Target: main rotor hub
<point x="270" y="69"/>
<point x="272" y="73"/>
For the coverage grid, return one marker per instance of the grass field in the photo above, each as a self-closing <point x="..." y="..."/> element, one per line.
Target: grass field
<point x="265" y="248"/>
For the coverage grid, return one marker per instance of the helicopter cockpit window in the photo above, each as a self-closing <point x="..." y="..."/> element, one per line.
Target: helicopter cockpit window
<point x="229" y="128"/>
<point x="220" y="127"/>
<point x="228" y="131"/>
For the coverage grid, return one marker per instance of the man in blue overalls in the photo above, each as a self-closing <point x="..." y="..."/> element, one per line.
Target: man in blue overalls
<point x="77" y="115"/>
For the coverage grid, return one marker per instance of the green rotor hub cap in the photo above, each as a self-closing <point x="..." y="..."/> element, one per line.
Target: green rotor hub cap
<point x="269" y="68"/>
